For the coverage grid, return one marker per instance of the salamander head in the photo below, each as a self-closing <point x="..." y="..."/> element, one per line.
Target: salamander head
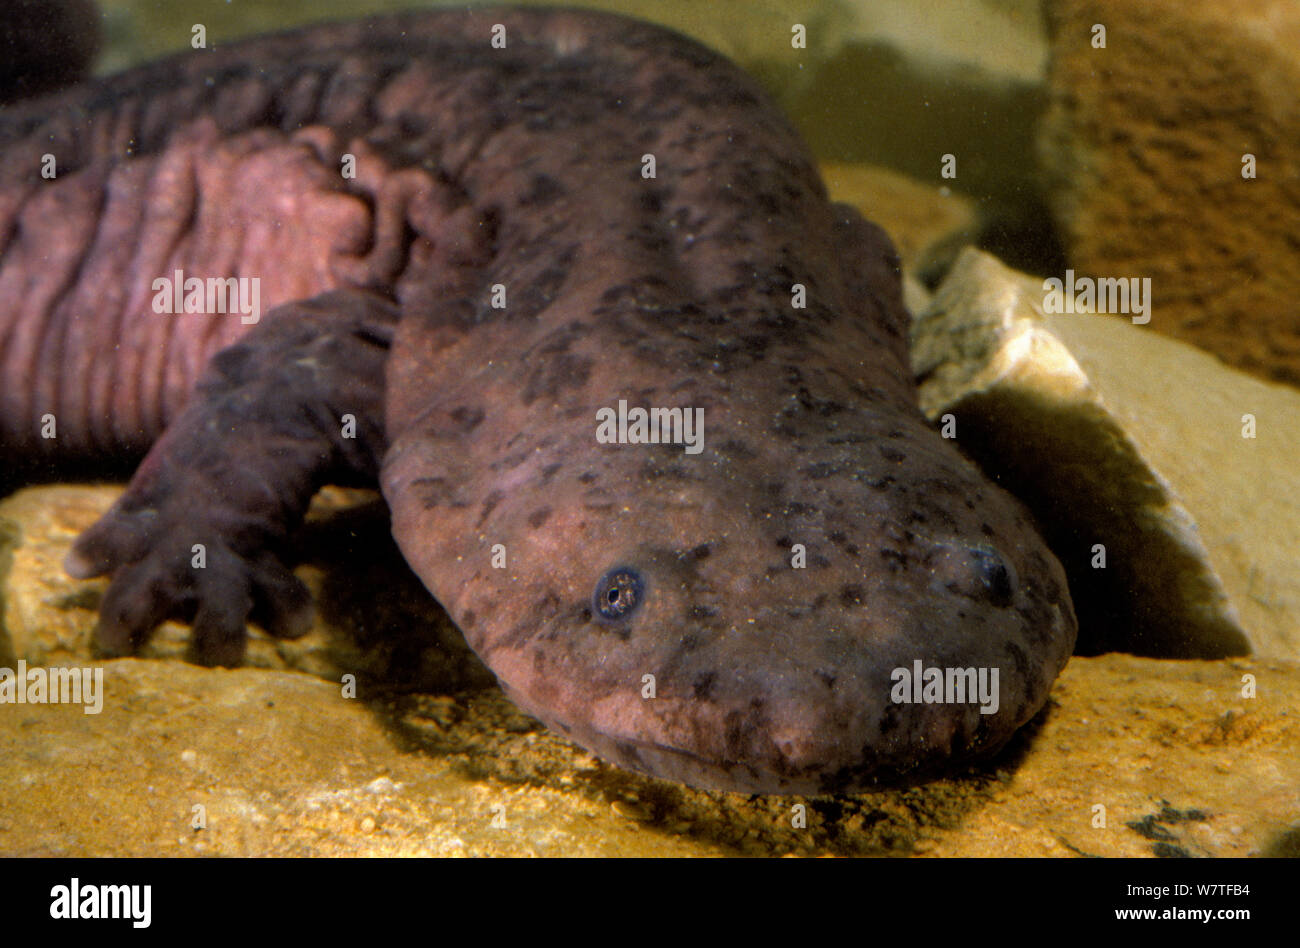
<point x="751" y="618"/>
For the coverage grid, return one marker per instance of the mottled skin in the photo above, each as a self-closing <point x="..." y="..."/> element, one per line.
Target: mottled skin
<point x="522" y="167"/>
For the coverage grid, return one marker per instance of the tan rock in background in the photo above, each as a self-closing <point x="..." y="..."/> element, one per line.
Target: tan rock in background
<point x="1143" y="145"/>
<point x="1117" y="436"/>
<point x="997" y="39"/>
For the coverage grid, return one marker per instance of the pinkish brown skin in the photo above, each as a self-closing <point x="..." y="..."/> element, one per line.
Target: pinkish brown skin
<point x="522" y="168"/>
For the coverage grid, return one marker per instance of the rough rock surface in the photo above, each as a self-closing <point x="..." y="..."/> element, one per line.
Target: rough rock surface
<point x="1143" y="147"/>
<point x="1121" y="437"/>
<point x="281" y="764"/>
<point x="1182" y="763"/>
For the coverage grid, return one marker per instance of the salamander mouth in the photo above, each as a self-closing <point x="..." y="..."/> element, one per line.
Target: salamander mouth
<point x="666" y="761"/>
<point x="656" y="759"/>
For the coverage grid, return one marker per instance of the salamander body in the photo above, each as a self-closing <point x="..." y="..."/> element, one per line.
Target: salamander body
<point x="490" y="249"/>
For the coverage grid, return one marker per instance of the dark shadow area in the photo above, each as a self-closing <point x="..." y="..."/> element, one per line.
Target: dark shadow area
<point x="18" y="472"/>
<point x="45" y="45"/>
<point x="385" y="626"/>
<point x="1020" y="233"/>
<point x="1142" y="601"/>
<point x="1285" y="846"/>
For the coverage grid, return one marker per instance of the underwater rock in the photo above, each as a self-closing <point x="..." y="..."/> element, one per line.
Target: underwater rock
<point x="251" y="762"/>
<point x="1183" y="470"/>
<point x="1174" y="153"/>
<point x="278" y="763"/>
<point x="1140" y="757"/>
<point x="992" y="40"/>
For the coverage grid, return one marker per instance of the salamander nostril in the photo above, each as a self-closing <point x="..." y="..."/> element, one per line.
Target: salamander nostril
<point x="996" y="583"/>
<point x="618" y="593"/>
<point x="977" y="572"/>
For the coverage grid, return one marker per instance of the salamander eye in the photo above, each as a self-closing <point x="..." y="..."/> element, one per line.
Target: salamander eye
<point x="618" y="593"/>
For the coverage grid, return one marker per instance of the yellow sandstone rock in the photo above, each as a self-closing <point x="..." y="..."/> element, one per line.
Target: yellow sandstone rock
<point x="278" y="763"/>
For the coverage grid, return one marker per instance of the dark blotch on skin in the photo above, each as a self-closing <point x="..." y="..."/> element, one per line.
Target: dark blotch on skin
<point x="489" y="505"/>
<point x="539" y="517"/>
<point x="435" y="492"/>
<point x="739" y="450"/>
<point x="467" y="417"/>
<point x="542" y="190"/>
<point x="822" y="470"/>
<point x="544" y="288"/>
<point x="702" y="685"/>
<point x="555" y="375"/>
